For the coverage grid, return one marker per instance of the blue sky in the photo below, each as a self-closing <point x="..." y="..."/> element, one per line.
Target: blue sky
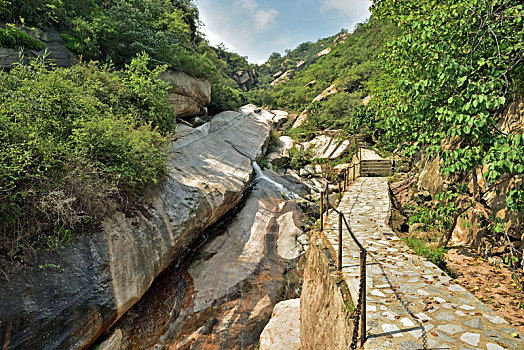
<point x="256" y="28"/>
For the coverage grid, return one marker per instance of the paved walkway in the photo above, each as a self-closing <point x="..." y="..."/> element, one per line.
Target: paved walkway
<point x="411" y="303"/>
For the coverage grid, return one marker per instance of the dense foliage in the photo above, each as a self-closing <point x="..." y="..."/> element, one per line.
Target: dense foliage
<point x="72" y="140"/>
<point x="115" y="31"/>
<point x="450" y="75"/>
<point x="14" y="38"/>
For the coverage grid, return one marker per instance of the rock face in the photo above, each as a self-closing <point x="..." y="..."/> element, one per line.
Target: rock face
<point x="280" y="155"/>
<point x="327" y="92"/>
<point x="430" y="178"/>
<point x="58" y="54"/>
<point x="325" y="146"/>
<point x="282" y="78"/>
<point x="245" y="78"/>
<point x="323" y="310"/>
<point x="72" y="295"/>
<point x="188" y="94"/>
<point x="324" y="52"/>
<point x="225" y="296"/>
<point x="283" y="330"/>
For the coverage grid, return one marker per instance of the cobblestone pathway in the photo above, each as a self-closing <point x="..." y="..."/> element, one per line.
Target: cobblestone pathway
<point x="411" y="303"/>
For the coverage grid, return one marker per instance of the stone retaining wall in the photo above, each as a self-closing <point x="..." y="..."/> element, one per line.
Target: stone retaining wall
<point x="324" y="312"/>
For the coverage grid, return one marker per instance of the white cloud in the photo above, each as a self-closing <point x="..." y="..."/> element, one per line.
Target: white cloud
<point x="248" y="4"/>
<point x="356" y="9"/>
<point x="263" y="18"/>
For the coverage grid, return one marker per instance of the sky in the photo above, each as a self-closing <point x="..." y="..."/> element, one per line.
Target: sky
<point x="256" y="28"/>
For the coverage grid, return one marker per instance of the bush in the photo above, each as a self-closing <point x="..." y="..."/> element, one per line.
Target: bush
<point x="436" y="255"/>
<point x="74" y="140"/>
<point x="14" y="38"/>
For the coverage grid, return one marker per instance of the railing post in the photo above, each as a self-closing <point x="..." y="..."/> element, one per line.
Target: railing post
<point x="356" y="146"/>
<point x="340" y="241"/>
<point x="354" y="171"/>
<point x="321" y="211"/>
<point x="363" y="306"/>
<point x="339" y="191"/>
<point x="327" y="201"/>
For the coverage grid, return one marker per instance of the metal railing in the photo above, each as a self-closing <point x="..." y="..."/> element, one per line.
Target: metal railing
<point x="360" y="313"/>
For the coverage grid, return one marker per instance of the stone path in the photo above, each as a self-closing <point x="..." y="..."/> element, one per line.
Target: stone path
<point x="411" y="303"/>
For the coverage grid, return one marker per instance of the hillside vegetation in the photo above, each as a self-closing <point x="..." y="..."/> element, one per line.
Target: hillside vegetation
<point x="446" y="82"/>
<point x="78" y="142"/>
<point x="349" y="67"/>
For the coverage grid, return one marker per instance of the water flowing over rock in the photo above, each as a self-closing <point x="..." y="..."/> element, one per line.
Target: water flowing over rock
<point x="224" y="296"/>
<point x="74" y="293"/>
<point x="187" y="94"/>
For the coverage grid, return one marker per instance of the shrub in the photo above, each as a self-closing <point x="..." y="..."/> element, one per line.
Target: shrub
<point x="14" y="38"/>
<point x="74" y="140"/>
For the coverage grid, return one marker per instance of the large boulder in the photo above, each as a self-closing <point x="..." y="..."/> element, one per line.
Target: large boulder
<point x="224" y="296"/>
<point x="74" y="293"/>
<point x="187" y="94"/>
<point x="279" y="156"/>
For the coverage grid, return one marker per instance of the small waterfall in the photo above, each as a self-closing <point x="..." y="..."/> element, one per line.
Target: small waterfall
<point x="285" y="192"/>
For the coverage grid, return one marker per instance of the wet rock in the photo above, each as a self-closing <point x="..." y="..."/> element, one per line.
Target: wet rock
<point x="311" y="209"/>
<point x="283" y="330"/>
<point x="71" y="296"/>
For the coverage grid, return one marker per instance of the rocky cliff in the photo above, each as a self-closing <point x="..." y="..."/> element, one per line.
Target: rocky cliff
<point x="188" y="95"/>
<point x="74" y="293"/>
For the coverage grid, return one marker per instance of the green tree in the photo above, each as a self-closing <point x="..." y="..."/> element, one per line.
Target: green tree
<point x="449" y="75"/>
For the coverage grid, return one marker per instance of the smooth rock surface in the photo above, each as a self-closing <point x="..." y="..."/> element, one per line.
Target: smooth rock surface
<point x="223" y="297"/>
<point x="187" y="94"/>
<point x="325" y="146"/>
<point x="101" y="275"/>
<point x="283" y="330"/>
